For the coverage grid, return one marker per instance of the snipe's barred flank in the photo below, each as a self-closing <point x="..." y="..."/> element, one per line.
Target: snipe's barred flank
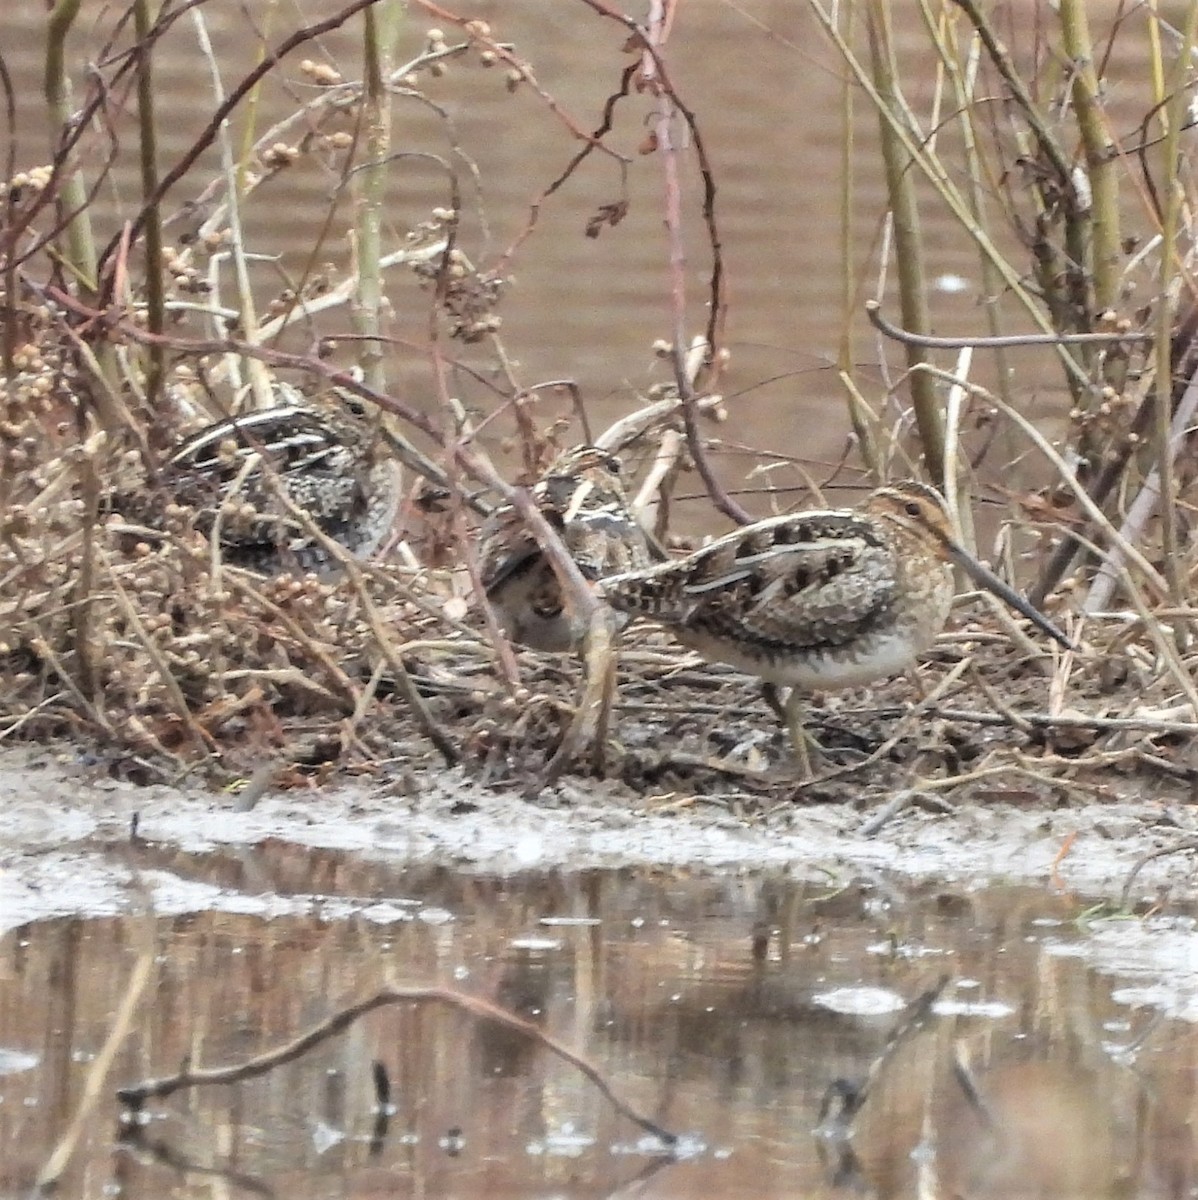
<point x="582" y="497"/>
<point x="818" y="600"/>
<point x="327" y="460"/>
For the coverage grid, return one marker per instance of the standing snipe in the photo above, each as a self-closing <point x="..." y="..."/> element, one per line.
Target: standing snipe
<point x="327" y="460"/>
<point x="818" y="600"/>
<point x="583" y="499"/>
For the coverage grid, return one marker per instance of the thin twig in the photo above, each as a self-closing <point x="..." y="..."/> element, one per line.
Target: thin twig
<point x="201" y="737"/>
<point x="873" y="310"/>
<point x="899" y="733"/>
<point x="1179" y="847"/>
<point x="268" y="63"/>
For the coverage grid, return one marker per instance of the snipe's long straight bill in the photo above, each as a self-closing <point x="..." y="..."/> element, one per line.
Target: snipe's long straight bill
<point x="1007" y="595"/>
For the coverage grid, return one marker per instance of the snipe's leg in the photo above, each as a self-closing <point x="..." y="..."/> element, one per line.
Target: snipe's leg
<point x="790" y="713"/>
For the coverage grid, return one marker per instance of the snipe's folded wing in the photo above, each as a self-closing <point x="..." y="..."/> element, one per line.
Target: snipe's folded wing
<point x="505" y="548"/>
<point x="817" y="578"/>
<point x="291" y="437"/>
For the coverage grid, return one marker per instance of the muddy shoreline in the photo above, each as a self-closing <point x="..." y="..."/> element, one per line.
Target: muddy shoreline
<point x="67" y="831"/>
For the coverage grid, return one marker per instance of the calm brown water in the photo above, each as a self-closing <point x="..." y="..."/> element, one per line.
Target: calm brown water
<point x="721" y="1007"/>
<point x="765" y="87"/>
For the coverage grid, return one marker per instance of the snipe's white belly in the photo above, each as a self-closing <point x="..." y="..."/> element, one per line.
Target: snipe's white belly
<point x="881" y="657"/>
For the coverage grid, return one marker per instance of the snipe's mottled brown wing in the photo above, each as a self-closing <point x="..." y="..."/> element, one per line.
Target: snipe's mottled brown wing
<point x="505" y="548"/>
<point x="801" y="581"/>
<point x="317" y="461"/>
<point x="590" y="515"/>
<point x="290" y="437"/>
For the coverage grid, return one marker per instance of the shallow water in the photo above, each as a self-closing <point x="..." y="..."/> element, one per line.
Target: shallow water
<point x="721" y="1007"/>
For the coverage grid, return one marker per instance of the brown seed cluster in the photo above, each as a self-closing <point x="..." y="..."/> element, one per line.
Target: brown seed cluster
<point x="1110" y="417"/>
<point x="470" y="297"/>
<point x="38" y="362"/>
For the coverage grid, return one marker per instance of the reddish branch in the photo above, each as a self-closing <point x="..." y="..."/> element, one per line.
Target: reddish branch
<point x="479" y="31"/>
<point x="663" y="84"/>
<point x="653" y="72"/>
<point x="656" y="78"/>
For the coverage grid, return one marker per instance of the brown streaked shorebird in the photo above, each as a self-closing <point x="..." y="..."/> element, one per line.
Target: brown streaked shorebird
<point x="582" y="497"/>
<point x="328" y="459"/>
<point x="818" y="600"/>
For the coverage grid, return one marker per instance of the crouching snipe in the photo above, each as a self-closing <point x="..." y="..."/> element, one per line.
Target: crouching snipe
<point x="582" y="497"/>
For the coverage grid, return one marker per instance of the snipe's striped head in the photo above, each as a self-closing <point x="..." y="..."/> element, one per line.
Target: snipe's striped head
<point x="915" y="509"/>
<point x="919" y="512"/>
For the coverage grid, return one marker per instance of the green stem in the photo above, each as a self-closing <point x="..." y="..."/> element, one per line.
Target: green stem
<point x="148" y="153"/>
<point x="1170" y="269"/>
<point x="908" y="245"/>
<point x="81" y="246"/>
<point x="858" y="416"/>
<point x="943" y="184"/>
<point x="1101" y="159"/>
<point x="381" y="30"/>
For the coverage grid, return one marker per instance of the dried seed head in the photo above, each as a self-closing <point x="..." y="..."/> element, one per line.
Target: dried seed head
<point x="320" y="74"/>
<point x="280" y="155"/>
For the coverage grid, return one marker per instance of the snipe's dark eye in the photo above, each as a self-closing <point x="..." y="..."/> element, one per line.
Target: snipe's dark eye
<point x="355" y="408"/>
<point x="913" y="509"/>
<point x="612" y="464"/>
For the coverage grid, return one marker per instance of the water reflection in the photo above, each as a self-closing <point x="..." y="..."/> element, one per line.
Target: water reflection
<point x="722" y="1007"/>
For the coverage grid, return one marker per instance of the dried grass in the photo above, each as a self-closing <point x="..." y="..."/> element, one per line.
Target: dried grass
<point x="142" y="637"/>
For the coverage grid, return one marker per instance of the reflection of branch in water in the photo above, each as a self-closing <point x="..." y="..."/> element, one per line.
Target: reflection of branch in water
<point x="852" y="1096"/>
<point x="452" y="1142"/>
<point x="636" y="1185"/>
<point x="133" y="1138"/>
<point x="841" y="1165"/>
<point x="383" y="1108"/>
<point x="136" y="1095"/>
<point x="963" y="1074"/>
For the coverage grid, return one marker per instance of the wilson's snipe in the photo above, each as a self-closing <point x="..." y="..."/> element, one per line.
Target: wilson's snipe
<point x="583" y="499"/>
<point x="328" y="461"/>
<point x="818" y="600"/>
